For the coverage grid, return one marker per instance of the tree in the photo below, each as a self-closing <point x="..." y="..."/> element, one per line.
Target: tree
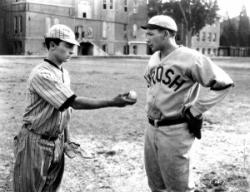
<point x="244" y="28"/>
<point x="154" y="8"/>
<point x="192" y="14"/>
<point x="229" y="35"/>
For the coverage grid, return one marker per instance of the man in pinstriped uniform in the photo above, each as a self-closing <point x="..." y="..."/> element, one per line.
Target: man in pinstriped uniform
<point x="39" y="146"/>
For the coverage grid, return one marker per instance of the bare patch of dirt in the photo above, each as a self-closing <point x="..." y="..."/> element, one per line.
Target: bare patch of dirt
<point x="114" y="137"/>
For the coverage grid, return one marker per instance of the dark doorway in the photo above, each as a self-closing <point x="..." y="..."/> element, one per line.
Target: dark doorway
<point x="86" y="48"/>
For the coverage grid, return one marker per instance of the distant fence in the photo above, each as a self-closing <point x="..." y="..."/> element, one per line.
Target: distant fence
<point x="234" y="51"/>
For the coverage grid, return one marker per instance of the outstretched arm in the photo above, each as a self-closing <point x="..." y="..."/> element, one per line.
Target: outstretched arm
<point x="89" y="103"/>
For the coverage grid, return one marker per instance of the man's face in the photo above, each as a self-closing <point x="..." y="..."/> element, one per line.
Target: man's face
<point x="64" y="51"/>
<point x="154" y="39"/>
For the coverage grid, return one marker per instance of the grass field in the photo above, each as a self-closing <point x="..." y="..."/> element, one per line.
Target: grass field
<point x="115" y="136"/>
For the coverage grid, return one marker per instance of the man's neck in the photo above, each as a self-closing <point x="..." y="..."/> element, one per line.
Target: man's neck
<point x="53" y="59"/>
<point x="168" y="50"/>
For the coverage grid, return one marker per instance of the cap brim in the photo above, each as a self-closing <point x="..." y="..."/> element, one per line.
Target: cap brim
<point x="152" y="26"/>
<point x="74" y="42"/>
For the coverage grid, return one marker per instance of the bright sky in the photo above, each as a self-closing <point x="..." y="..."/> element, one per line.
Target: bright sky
<point x="233" y="7"/>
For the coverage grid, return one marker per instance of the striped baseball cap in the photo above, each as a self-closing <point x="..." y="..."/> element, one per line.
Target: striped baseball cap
<point x="160" y="22"/>
<point x="63" y="33"/>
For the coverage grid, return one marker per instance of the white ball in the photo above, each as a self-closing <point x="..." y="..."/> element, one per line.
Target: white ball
<point x="132" y="95"/>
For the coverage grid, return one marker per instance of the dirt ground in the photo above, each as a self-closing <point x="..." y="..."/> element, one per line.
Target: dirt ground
<point x="114" y="137"/>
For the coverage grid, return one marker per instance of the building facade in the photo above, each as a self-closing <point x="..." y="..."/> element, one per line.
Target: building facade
<point x="207" y="40"/>
<point x="102" y="27"/>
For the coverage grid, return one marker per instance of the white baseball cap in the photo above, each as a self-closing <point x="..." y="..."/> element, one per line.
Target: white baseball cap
<point x="63" y="33"/>
<point x="160" y="21"/>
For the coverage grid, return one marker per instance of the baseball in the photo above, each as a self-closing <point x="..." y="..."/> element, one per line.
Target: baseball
<point x="132" y="95"/>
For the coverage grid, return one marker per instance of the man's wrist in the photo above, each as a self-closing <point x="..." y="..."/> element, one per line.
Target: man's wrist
<point x="109" y="103"/>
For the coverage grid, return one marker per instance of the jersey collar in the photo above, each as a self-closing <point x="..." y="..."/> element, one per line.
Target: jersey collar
<point x="52" y="63"/>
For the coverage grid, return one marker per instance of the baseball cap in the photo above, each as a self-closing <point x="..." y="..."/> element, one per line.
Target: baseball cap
<point x="160" y="21"/>
<point x="63" y="33"/>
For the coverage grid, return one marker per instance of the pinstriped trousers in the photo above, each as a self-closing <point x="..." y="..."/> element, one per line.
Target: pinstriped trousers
<point x="167" y="163"/>
<point x="36" y="169"/>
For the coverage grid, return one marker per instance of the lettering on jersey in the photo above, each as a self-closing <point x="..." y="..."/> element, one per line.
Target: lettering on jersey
<point x="148" y="79"/>
<point x="159" y="72"/>
<point x="167" y="77"/>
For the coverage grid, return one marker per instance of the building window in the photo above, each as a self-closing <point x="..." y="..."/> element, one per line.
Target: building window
<point x="89" y="32"/>
<point x="20" y="27"/>
<point x="125" y="36"/>
<point x="126" y="49"/>
<point x="79" y="33"/>
<point x="215" y="51"/>
<point x="214" y="37"/>
<point x="111" y="4"/>
<point x="198" y="37"/>
<point x="204" y="36"/>
<point x="20" y="47"/>
<point x="203" y="50"/>
<point x="125" y="27"/>
<point x="76" y="32"/>
<point x="135" y="50"/>
<point x="104" y="4"/>
<point x="125" y="5"/>
<point x="84" y="15"/>
<point x="209" y="36"/>
<point x="15" y="24"/>
<point x="208" y="51"/>
<point x="134" y="30"/>
<point x="104" y="29"/>
<point x="104" y="47"/>
<point x="47" y="24"/>
<point x="135" y="8"/>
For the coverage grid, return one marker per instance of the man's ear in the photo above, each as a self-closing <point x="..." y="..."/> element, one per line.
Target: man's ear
<point x="52" y="45"/>
<point x="166" y="33"/>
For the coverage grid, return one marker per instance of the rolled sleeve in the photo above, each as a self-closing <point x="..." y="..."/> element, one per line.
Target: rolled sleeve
<point x="67" y="103"/>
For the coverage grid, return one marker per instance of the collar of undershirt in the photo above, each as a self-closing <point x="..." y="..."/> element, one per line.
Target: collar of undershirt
<point x="52" y="63"/>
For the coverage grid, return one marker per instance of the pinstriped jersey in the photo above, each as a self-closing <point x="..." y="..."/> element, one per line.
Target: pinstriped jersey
<point x="48" y="89"/>
<point x="174" y="82"/>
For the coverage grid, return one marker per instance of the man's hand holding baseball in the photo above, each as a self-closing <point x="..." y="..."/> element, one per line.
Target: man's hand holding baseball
<point x="122" y="100"/>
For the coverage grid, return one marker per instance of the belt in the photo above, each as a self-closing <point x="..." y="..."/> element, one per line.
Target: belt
<point x="45" y="137"/>
<point x="49" y="138"/>
<point x="166" y="122"/>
